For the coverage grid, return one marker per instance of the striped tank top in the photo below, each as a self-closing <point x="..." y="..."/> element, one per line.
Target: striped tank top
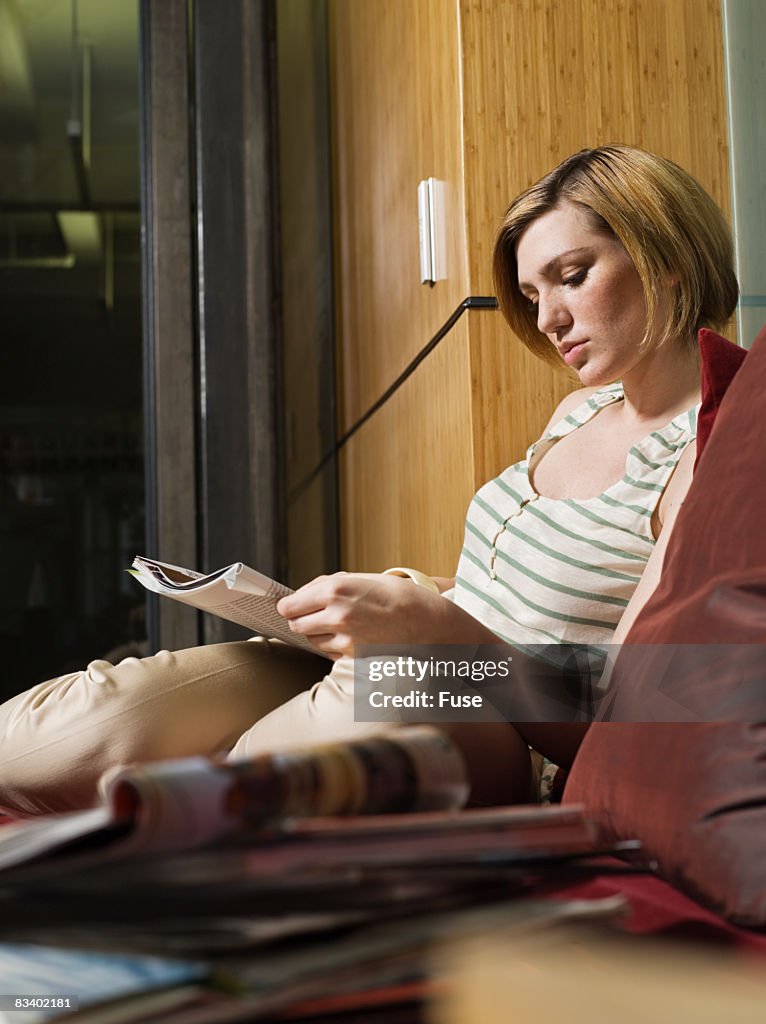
<point x="539" y="570"/>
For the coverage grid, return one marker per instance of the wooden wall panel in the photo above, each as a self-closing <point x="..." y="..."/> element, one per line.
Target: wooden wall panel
<point x="406" y="476"/>
<point x="395" y="102"/>
<point x="544" y="78"/>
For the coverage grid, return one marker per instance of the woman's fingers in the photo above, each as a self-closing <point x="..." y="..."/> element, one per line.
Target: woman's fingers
<point x="314" y="625"/>
<point x="311" y="597"/>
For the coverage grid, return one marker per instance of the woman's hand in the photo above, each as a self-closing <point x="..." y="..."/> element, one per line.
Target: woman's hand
<point x="336" y="612"/>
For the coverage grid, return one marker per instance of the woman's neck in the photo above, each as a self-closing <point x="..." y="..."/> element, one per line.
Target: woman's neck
<point x="664" y="383"/>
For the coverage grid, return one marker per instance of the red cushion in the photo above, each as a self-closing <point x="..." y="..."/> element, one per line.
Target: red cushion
<point x="695" y="794"/>
<point x="719" y="362"/>
<point x="719" y="545"/>
<point x="657" y="908"/>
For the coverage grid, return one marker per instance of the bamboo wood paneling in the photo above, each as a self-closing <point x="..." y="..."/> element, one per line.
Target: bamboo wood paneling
<point x="396" y="112"/>
<point x="406" y="476"/>
<point x="544" y="78"/>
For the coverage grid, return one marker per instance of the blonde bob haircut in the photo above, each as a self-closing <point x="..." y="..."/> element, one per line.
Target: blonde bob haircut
<point x="672" y="230"/>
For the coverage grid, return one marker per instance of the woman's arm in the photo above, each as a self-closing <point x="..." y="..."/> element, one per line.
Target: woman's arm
<point x="444" y="583"/>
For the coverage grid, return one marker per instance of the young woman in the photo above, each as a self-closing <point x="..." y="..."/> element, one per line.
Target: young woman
<point x="610" y="264"/>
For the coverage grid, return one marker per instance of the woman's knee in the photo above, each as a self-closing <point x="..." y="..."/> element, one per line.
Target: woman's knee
<point x="323" y="713"/>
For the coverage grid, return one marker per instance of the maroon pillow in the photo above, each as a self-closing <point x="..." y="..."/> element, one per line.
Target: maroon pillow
<point x="695" y="792"/>
<point x="719" y="362"/>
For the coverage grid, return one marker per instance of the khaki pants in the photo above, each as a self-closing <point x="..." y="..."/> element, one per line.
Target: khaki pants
<point x="241" y="698"/>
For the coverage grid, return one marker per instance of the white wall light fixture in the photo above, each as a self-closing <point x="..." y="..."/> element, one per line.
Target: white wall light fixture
<point x="431" y="211"/>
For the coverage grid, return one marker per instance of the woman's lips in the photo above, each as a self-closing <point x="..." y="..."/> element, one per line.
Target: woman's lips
<point x="570" y="355"/>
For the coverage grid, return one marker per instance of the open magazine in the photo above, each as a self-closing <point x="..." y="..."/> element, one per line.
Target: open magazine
<point x="236" y="592"/>
<point x="388" y="800"/>
<point x="190" y="802"/>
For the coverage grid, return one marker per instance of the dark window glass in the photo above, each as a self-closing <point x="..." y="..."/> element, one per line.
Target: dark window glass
<point x="71" y="436"/>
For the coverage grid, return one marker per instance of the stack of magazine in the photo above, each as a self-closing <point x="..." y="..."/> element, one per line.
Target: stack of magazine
<point x="204" y="890"/>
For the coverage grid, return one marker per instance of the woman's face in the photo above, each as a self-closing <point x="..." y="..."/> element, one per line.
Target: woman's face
<point x="585" y="292"/>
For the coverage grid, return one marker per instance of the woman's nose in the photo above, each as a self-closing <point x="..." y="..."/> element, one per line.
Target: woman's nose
<point x="552" y="314"/>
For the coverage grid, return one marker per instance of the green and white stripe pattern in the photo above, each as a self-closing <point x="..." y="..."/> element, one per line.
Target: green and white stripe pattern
<point x="539" y="570"/>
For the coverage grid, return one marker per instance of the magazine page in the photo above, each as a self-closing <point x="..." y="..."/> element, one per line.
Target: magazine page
<point x="445" y="840"/>
<point x="25" y="840"/>
<point x="236" y="593"/>
<point x="167" y="805"/>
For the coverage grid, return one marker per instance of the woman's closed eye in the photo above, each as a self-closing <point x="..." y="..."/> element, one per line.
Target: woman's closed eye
<point x="573" y="280"/>
<point x="576" y="279"/>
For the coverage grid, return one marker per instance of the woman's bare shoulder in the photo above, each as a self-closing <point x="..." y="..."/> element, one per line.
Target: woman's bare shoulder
<point x="568" y="404"/>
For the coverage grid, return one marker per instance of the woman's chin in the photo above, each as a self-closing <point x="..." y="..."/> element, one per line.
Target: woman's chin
<point x="594" y="376"/>
<point x="590" y="376"/>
